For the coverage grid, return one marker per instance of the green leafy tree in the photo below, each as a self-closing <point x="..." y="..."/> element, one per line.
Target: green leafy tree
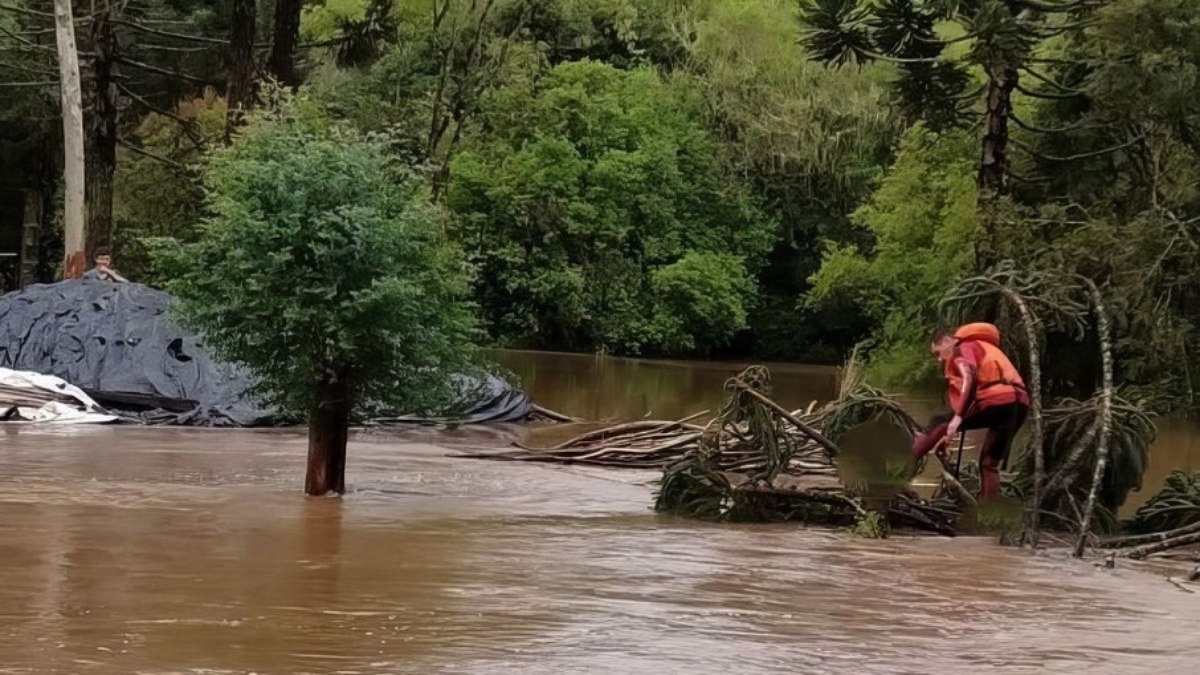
<point x="1000" y="39"/>
<point x="923" y="223"/>
<point x="582" y="187"/>
<point x="334" y="286"/>
<point x="812" y="141"/>
<point x="702" y="300"/>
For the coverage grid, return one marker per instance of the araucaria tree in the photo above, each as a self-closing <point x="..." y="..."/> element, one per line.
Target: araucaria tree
<point x="997" y="38"/>
<point x="331" y="283"/>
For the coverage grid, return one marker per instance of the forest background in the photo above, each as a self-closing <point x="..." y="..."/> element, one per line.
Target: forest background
<point x="712" y="178"/>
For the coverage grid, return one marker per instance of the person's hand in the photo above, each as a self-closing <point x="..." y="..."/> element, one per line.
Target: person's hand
<point x="952" y="428"/>
<point x="940" y="449"/>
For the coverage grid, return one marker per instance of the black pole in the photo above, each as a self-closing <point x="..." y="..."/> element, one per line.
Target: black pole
<point x="962" y="438"/>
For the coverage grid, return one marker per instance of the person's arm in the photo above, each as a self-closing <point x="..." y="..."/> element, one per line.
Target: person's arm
<point x="966" y="362"/>
<point x="114" y="275"/>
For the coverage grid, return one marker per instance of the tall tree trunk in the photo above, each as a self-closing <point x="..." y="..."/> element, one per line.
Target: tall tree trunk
<point x="283" y="43"/>
<point x="1106" y="396"/>
<point x="102" y="155"/>
<point x="993" y="164"/>
<point x="328" y="430"/>
<point x="1031" y="325"/>
<point x="31" y="237"/>
<point x="74" y="259"/>
<point x="239" y="90"/>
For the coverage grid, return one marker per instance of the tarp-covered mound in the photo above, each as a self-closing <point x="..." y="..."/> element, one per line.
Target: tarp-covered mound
<point x="116" y="342"/>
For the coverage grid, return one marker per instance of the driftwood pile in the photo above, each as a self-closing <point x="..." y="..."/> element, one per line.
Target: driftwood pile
<point x="756" y="460"/>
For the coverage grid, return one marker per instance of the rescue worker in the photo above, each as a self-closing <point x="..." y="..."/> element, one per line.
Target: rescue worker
<point x="985" y="391"/>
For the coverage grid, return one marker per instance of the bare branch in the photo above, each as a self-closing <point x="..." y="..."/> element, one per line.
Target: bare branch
<point x="1050" y="81"/>
<point x="189" y="126"/>
<point x="162" y="71"/>
<point x="165" y="48"/>
<point x="1078" y="126"/>
<point x="1045" y="94"/>
<point x="1042" y="6"/>
<point x="44" y="72"/>
<point x="150" y="155"/>
<point x="895" y="59"/>
<point x="1078" y="156"/>
<point x="140" y="26"/>
<point x="26" y="11"/>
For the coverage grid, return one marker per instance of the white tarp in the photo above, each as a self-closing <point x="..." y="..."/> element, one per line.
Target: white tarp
<point x="59" y="401"/>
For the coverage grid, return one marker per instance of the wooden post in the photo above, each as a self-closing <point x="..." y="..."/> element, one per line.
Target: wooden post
<point x="74" y="260"/>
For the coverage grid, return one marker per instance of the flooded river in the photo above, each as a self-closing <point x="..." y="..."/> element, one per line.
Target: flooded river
<point x="135" y="550"/>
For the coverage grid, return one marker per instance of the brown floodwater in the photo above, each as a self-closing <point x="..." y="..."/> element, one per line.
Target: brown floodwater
<point x="142" y="550"/>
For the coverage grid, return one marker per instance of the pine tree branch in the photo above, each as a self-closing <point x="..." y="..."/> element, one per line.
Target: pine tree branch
<point x="189" y="126"/>
<point x="1056" y="7"/>
<point x="21" y="39"/>
<point x="1045" y="94"/>
<point x="140" y="26"/>
<point x="1050" y="81"/>
<point x="165" y="48"/>
<point x="895" y="59"/>
<point x="1079" y="156"/>
<point x="1021" y="178"/>
<point x="150" y="155"/>
<point x="162" y="71"/>
<point x="44" y="72"/>
<point x="26" y="11"/>
<point x="44" y="83"/>
<point x="1078" y="126"/>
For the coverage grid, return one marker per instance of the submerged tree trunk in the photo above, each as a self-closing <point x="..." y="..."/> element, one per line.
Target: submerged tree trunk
<point x="102" y="155"/>
<point x="283" y="43"/>
<point x="74" y="259"/>
<point x="328" y="431"/>
<point x="239" y="90"/>
<point x="993" y="164"/>
<point x="1105" y="414"/>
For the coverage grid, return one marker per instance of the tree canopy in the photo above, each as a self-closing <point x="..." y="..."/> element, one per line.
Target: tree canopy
<point x="316" y="262"/>
<point x="587" y="193"/>
<point x="679" y="177"/>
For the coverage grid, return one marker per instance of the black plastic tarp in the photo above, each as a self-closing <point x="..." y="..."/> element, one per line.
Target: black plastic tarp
<point x="116" y="342"/>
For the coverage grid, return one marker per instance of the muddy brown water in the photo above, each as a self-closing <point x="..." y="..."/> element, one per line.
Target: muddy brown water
<point x="136" y="550"/>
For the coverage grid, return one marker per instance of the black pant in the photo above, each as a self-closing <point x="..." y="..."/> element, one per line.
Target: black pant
<point x="1002" y="422"/>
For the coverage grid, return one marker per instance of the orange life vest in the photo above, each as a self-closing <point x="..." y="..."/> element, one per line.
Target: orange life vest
<point x="997" y="381"/>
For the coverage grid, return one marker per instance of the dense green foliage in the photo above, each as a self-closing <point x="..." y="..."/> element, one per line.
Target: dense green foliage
<point x="582" y="202"/>
<point x="921" y="221"/>
<point x="720" y="177"/>
<point x="319" y="265"/>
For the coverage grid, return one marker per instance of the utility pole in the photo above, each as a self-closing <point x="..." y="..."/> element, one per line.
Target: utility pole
<point x="74" y="260"/>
